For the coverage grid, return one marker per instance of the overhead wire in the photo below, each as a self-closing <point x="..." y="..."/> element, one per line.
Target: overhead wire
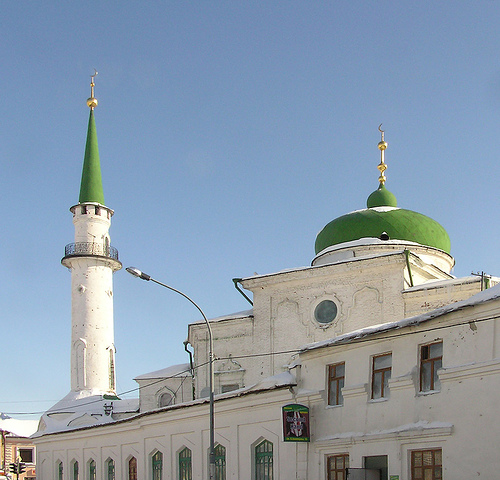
<point x="348" y="341"/>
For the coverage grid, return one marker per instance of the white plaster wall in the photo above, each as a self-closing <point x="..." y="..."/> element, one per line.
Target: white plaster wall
<point x="462" y="413"/>
<point x="151" y="390"/>
<point x="91" y="226"/>
<point x="92" y="324"/>
<point x="460" y="419"/>
<point x="367" y="292"/>
<point x="240" y="425"/>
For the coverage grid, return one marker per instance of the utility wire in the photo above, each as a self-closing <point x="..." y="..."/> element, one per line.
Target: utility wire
<point x="347" y="341"/>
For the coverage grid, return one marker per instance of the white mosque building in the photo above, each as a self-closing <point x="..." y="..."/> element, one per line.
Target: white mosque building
<point x="380" y="364"/>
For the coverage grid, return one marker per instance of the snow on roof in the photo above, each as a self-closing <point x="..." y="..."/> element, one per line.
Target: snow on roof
<point x="85" y="420"/>
<point x="280" y="380"/>
<point x="81" y="409"/>
<point x="481" y="297"/>
<point x="360" y="242"/>
<point x="180" y="370"/>
<point x="19" y="428"/>
<point x="447" y="282"/>
<point x="344" y="260"/>
<point x="231" y="316"/>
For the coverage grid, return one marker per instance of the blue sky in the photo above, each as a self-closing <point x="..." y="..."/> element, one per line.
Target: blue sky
<point x="230" y="132"/>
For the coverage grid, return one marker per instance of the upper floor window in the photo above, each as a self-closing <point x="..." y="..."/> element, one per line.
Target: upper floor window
<point x="336" y="376"/>
<point x="381" y="373"/>
<point x="336" y="466"/>
<point x="220" y="462"/>
<point x="185" y="469"/>
<point x="431" y="360"/>
<point x="157" y="465"/>
<point x="264" y="461"/>
<point x="60" y="471"/>
<point x="75" y="471"/>
<point x="426" y="464"/>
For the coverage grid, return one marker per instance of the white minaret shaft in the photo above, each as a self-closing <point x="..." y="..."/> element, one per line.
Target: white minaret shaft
<point x="92" y="262"/>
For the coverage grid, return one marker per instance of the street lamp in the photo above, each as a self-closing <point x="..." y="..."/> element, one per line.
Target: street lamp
<point x="144" y="276"/>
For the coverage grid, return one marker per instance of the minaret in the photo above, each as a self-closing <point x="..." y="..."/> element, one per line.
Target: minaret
<point x="92" y="261"/>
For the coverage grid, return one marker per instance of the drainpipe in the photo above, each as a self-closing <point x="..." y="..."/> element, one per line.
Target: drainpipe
<point x="4" y="452"/>
<point x="191" y="366"/>
<point x="236" y="281"/>
<point x="407" y="255"/>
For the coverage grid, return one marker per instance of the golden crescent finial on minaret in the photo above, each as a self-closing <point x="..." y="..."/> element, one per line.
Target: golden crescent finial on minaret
<point x="382" y="167"/>
<point x="92" y="101"/>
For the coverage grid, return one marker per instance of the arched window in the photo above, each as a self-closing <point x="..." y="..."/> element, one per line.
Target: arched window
<point x="157" y="465"/>
<point x="264" y="461"/>
<point x="92" y="475"/>
<point x="59" y="470"/>
<point x="110" y="469"/>
<point x="220" y="462"/>
<point x="132" y="469"/>
<point x="75" y="471"/>
<point x="185" y="470"/>
<point x="165" y="399"/>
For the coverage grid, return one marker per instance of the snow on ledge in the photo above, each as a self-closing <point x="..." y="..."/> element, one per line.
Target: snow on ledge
<point x="409" y="428"/>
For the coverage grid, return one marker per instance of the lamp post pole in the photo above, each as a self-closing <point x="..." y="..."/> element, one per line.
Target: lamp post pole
<point x="211" y="457"/>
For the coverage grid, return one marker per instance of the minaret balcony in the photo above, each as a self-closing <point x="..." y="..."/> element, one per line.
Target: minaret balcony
<point x="91" y="249"/>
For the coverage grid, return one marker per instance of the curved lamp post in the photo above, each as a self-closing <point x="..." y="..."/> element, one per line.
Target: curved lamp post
<point x="144" y="276"/>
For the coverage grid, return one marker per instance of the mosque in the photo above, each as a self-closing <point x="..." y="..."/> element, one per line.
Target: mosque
<point x="380" y="364"/>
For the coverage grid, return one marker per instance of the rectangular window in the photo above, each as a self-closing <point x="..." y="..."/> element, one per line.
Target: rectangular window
<point x="426" y="464"/>
<point x="229" y="388"/>
<point x="381" y="372"/>
<point x="431" y="360"/>
<point x="26" y="455"/>
<point x="336" y="466"/>
<point x="336" y="375"/>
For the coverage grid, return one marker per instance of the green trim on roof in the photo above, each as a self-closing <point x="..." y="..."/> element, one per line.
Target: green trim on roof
<point x="91" y="185"/>
<point x="398" y="223"/>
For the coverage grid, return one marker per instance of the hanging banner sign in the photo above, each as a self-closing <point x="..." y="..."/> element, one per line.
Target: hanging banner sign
<point x="295" y="423"/>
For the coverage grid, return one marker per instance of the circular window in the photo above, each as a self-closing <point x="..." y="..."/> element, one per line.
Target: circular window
<point x="325" y="312"/>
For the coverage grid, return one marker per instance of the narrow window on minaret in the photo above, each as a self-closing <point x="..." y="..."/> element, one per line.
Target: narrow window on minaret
<point x="111" y="369"/>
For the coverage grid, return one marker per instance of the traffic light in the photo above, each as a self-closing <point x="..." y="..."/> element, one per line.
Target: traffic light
<point x="13" y="467"/>
<point x="22" y="468"/>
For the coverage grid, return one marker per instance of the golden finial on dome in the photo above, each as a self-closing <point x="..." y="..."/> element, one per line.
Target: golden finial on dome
<point x="92" y="101"/>
<point x="382" y="167"/>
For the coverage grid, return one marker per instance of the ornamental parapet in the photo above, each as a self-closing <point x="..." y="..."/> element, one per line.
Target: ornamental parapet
<point x="90" y="248"/>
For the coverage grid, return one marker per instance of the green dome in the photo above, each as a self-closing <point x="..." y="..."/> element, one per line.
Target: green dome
<point x="382" y="217"/>
<point x="381" y="198"/>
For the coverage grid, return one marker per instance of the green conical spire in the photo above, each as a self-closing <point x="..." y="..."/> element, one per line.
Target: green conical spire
<point x="91" y="186"/>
